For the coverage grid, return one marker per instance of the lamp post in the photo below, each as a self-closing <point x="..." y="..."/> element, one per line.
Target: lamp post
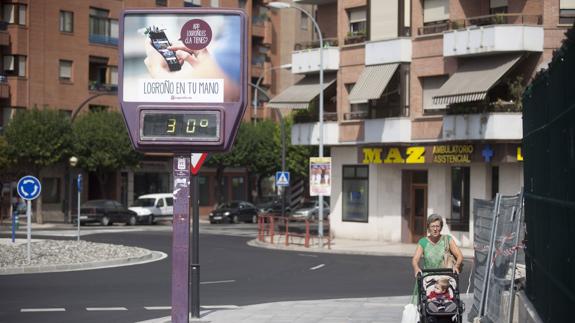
<point x="257" y="87"/>
<point x="283" y="5"/>
<point x="73" y="161"/>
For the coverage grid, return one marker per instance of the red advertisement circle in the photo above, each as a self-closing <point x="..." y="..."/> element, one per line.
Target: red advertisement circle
<point x="196" y="34"/>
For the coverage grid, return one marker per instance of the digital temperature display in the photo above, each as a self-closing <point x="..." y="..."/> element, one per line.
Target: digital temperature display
<point x="175" y="125"/>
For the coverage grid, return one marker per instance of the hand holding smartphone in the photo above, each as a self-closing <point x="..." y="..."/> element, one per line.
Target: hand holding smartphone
<point x="161" y="43"/>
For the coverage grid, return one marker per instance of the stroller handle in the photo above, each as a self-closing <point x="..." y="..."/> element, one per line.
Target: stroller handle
<point x="439" y="270"/>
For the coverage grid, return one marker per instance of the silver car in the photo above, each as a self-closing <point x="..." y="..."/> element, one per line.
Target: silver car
<point x="310" y="210"/>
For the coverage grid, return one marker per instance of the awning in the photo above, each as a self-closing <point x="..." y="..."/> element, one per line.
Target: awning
<point x="299" y="95"/>
<point x="474" y="78"/>
<point x="371" y="83"/>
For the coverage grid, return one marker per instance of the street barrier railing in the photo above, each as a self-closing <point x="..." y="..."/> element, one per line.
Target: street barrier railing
<point x="273" y="229"/>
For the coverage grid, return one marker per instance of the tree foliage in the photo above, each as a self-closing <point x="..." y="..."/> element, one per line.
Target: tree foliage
<point x="38" y="138"/>
<point x="102" y="145"/>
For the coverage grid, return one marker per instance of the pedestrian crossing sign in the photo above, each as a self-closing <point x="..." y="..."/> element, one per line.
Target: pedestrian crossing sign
<point x="282" y="178"/>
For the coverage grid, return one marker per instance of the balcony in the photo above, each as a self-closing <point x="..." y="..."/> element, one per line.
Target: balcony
<point x="479" y="21"/>
<point x="355" y="38"/>
<point x="484" y="126"/>
<point x="102" y="87"/>
<point x="259" y="26"/>
<point x="307" y="134"/>
<point x="103" y="39"/>
<point x="4" y="35"/>
<point x="307" y="61"/>
<point x="388" y="51"/>
<point x="478" y="40"/>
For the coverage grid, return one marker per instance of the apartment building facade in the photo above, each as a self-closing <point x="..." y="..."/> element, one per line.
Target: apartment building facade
<point x="423" y="112"/>
<point x="64" y="55"/>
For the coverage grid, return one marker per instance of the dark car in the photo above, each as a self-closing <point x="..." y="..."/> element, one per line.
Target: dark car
<point x="273" y="206"/>
<point x="234" y="212"/>
<point x="106" y="212"/>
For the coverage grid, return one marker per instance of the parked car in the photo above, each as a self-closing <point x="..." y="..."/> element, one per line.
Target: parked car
<point x="310" y="210"/>
<point x="234" y="212"/>
<point x="273" y="206"/>
<point x="106" y="212"/>
<point x="153" y="207"/>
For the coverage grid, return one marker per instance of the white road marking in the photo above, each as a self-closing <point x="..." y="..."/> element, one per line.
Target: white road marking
<point x="305" y="255"/>
<point x="218" y="282"/>
<point x="33" y="310"/>
<point x="157" y="308"/>
<point x="106" y="309"/>
<point x="317" y="267"/>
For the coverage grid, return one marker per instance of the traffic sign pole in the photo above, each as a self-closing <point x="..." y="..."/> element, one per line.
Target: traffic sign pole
<point x="29" y="228"/>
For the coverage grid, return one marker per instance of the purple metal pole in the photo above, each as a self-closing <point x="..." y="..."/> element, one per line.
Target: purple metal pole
<point x="195" y="274"/>
<point x="181" y="239"/>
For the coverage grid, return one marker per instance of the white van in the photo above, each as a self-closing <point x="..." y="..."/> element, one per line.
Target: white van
<point x="153" y="207"/>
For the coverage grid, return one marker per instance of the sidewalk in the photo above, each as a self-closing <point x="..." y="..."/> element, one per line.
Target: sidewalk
<point x="349" y="310"/>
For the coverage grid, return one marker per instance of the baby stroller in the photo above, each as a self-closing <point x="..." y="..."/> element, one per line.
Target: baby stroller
<point x="436" y="311"/>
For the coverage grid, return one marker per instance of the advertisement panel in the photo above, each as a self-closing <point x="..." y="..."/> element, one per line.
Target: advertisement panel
<point x="319" y="176"/>
<point x="183" y="77"/>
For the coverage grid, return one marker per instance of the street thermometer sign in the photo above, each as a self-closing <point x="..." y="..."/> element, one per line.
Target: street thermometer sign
<point x="183" y="90"/>
<point x="182" y="79"/>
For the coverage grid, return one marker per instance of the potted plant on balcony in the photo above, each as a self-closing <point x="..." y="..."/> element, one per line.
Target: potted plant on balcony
<point x="355" y="37"/>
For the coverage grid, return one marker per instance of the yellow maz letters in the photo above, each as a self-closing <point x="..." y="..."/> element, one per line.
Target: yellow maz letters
<point x="415" y="155"/>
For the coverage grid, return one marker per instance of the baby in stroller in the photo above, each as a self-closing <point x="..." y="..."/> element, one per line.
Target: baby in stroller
<point x="439" y="296"/>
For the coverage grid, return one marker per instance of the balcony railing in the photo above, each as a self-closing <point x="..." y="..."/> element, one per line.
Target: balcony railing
<point x="496" y="19"/>
<point x="312" y="117"/>
<point x="327" y="42"/>
<point x="103" y="39"/>
<point x="102" y="87"/>
<point x="355" y="38"/>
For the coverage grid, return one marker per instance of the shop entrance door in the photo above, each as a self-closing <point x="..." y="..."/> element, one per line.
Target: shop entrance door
<point x="414" y="205"/>
<point x="418" y="211"/>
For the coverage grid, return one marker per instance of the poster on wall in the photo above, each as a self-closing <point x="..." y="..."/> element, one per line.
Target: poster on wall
<point x="182" y="58"/>
<point x="319" y="176"/>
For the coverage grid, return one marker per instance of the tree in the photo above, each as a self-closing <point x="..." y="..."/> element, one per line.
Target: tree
<point x="102" y="145"/>
<point x="38" y="139"/>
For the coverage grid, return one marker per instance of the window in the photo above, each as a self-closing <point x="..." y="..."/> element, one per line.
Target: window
<point x="459" y="199"/>
<point x="14" y="13"/>
<point x="192" y="3"/>
<point x="66" y="21"/>
<point x="103" y="30"/>
<point x="15" y="65"/>
<point x="65" y="72"/>
<point x="355" y="193"/>
<point x="161" y="3"/>
<point x="160" y="203"/>
<point x="51" y="190"/>
<point x="435" y="11"/>
<point x="497" y="6"/>
<point x="215" y="3"/>
<point x="567" y="12"/>
<point x="357" y="22"/>
<point x="169" y="201"/>
<point x="113" y="79"/>
<point x="303" y="21"/>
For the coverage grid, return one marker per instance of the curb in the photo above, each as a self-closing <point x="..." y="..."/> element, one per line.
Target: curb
<point x="149" y="257"/>
<point x="258" y="244"/>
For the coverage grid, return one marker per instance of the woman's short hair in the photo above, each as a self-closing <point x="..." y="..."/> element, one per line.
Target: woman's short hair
<point x="434" y="218"/>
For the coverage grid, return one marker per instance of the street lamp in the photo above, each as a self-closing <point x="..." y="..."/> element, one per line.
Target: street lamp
<point x="283" y="5"/>
<point x="73" y="161"/>
<point x="257" y="87"/>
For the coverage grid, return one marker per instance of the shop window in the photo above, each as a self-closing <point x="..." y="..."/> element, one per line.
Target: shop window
<point x="66" y="21"/>
<point x="65" y="70"/>
<point x="51" y="190"/>
<point x="494" y="181"/>
<point x="355" y="189"/>
<point x="204" y="191"/>
<point x="459" y="220"/>
<point x="150" y="183"/>
<point x="14" y="13"/>
<point x="15" y="65"/>
<point x="238" y="188"/>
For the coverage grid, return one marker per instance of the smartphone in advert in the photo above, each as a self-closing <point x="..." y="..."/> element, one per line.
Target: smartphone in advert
<point x="183" y="77"/>
<point x="160" y="42"/>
